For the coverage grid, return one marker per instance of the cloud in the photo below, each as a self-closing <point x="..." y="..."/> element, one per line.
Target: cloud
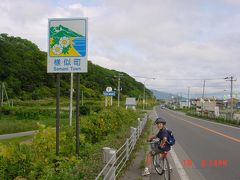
<point x="164" y="39"/>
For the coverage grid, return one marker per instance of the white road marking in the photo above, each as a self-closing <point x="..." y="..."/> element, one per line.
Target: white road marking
<point x="182" y="173"/>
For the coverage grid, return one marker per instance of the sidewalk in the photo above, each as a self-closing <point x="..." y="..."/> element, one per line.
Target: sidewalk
<point x="134" y="171"/>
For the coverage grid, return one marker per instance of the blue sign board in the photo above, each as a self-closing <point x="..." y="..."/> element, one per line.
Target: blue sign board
<point x="67" y="45"/>
<point x="111" y="93"/>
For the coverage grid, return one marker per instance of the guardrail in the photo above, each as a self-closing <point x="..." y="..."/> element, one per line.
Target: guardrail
<point x="114" y="160"/>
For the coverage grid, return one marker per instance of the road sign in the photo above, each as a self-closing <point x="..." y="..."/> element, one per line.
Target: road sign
<point x="67" y="45"/>
<point x="111" y="93"/>
<point x="109" y="89"/>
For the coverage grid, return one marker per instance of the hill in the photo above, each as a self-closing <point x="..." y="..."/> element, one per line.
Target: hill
<point x="164" y="95"/>
<point x="23" y="70"/>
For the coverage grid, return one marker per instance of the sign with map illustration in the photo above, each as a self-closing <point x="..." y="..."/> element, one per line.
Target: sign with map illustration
<point x="67" y="45"/>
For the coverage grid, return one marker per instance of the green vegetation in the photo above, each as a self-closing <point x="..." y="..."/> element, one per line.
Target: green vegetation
<point x="109" y="127"/>
<point x="142" y="141"/>
<point x="216" y="119"/>
<point x="210" y="117"/>
<point x="25" y="116"/>
<point x="23" y="69"/>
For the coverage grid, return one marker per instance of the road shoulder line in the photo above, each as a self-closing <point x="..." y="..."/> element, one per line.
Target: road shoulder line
<point x="182" y="173"/>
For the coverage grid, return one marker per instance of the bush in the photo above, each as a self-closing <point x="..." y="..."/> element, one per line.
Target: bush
<point x="38" y="160"/>
<point x="95" y="108"/>
<point x="84" y="110"/>
<point x="6" y="110"/>
<point x="41" y="92"/>
<point x="23" y="113"/>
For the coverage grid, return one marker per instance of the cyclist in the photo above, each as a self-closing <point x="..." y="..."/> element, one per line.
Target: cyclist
<point x="164" y="146"/>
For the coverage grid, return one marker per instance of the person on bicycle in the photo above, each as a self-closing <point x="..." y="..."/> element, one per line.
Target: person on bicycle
<point x="164" y="146"/>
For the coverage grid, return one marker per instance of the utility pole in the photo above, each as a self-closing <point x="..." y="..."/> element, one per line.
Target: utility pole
<point x="203" y="93"/>
<point x="188" y="97"/>
<point x="144" y="95"/>
<point x="119" y="85"/>
<point x="231" y="79"/>
<point x="231" y="93"/>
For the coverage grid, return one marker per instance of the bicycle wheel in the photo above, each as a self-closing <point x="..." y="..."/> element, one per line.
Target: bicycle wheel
<point x="158" y="164"/>
<point x="166" y="169"/>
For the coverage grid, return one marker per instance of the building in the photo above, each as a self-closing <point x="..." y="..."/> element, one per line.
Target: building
<point x="183" y="104"/>
<point x="227" y="102"/>
<point x="206" y="104"/>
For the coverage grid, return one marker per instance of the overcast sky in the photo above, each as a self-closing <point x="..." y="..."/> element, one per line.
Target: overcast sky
<point x="165" y="39"/>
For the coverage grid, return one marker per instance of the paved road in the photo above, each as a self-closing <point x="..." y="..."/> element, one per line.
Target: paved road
<point x="14" y="135"/>
<point x="154" y="175"/>
<point x="200" y="142"/>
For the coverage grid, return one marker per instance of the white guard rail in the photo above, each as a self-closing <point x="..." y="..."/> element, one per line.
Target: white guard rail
<point x="114" y="160"/>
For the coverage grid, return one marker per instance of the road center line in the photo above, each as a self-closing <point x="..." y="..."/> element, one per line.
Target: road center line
<point x="213" y="131"/>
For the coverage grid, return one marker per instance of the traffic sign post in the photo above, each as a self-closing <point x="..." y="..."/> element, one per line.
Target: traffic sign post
<point x="67" y="53"/>
<point x="109" y="93"/>
<point x="67" y="45"/>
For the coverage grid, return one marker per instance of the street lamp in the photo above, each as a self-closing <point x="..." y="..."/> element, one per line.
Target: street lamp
<point x="144" y="96"/>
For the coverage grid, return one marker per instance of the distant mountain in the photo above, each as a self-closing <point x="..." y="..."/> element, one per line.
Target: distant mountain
<point x="164" y="95"/>
<point x="61" y="31"/>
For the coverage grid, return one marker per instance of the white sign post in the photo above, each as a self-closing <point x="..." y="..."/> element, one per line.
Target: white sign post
<point x="109" y="93"/>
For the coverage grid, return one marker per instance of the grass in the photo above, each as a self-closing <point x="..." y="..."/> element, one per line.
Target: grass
<point x="192" y="112"/>
<point x="90" y="152"/>
<point x="141" y="143"/>
<point x="215" y="119"/>
<point x="10" y="124"/>
<point x="16" y="140"/>
<point x="23" y="118"/>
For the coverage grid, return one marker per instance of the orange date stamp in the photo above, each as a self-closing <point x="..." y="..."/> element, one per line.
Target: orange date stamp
<point x="206" y="163"/>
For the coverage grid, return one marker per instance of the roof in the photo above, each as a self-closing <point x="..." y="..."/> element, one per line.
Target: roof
<point x="131" y="101"/>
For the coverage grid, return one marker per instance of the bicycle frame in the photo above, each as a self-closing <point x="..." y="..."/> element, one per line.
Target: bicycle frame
<point x="160" y="161"/>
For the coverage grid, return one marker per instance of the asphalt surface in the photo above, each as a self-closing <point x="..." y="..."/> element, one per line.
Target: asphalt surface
<point x="154" y="175"/>
<point x="14" y="135"/>
<point x="206" y="150"/>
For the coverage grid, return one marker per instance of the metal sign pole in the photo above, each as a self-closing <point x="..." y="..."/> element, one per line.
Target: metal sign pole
<point x="1" y="98"/>
<point x="2" y="94"/>
<point x="72" y="36"/>
<point x="57" y="113"/>
<point x="71" y="97"/>
<point x="82" y="97"/>
<point x="77" y="115"/>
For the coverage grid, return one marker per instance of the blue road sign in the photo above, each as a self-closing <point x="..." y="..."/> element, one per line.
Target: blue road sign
<point x="111" y="93"/>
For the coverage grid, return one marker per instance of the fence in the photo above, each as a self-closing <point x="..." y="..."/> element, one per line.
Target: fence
<point x="114" y="160"/>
